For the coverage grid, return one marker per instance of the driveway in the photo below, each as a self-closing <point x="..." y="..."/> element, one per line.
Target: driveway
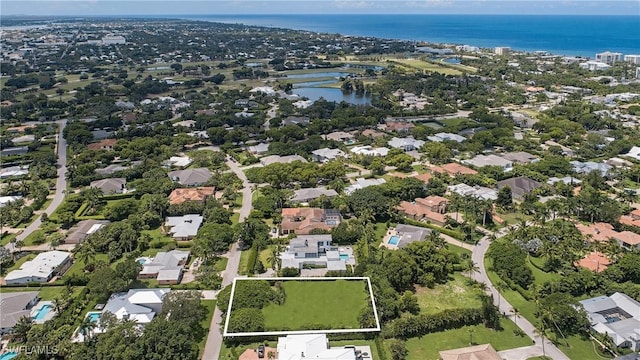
<point x="477" y="256"/>
<point x="61" y="185"/>
<point x="214" y="339"/>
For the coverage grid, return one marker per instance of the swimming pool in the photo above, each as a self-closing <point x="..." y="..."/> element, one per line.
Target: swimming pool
<point x="393" y="240"/>
<point x="93" y="316"/>
<point x="8" y="355"/>
<point x="344" y="257"/>
<point x="42" y="312"/>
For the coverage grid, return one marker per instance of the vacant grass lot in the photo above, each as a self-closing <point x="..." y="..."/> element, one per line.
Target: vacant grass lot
<point x="427" y="347"/>
<point x="329" y="304"/>
<point x="428" y="66"/>
<point x="455" y="294"/>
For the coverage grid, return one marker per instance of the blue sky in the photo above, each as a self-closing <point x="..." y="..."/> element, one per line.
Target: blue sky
<point x="234" y="7"/>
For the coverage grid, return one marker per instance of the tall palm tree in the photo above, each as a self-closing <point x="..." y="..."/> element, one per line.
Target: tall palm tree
<point x="515" y="312"/>
<point x="471" y="267"/>
<point x="21" y="328"/>
<point x="87" y="327"/>
<point x="274" y="258"/>
<point x="541" y="330"/>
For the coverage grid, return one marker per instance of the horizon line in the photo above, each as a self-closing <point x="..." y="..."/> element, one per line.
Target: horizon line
<point x="322" y="14"/>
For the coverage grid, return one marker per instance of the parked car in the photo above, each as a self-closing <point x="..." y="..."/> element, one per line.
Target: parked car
<point x="260" y="351"/>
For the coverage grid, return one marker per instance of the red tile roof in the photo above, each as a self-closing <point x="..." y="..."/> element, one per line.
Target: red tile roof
<point x="178" y="196"/>
<point x="596" y="261"/>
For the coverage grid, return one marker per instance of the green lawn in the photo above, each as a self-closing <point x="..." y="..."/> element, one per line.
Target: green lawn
<point x="211" y="306"/>
<point x="264" y="256"/>
<point x="33" y="237"/>
<point x="381" y="231"/>
<point x="525" y="307"/>
<point x="459" y="250"/>
<point x="46" y="292"/>
<point x="428" y="66"/>
<point x="244" y="261"/>
<point x="330" y="304"/>
<point x="7" y="239"/>
<point x="78" y="266"/>
<point x="221" y="264"/>
<point x="541" y="277"/>
<point x="235" y="218"/>
<point x="427" y="347"/>
<point x="453" y="295"/>
<point x="579" y="348"/>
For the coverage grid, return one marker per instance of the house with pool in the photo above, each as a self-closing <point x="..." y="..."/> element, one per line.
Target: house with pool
<point x="165" y="267"/>
<point x="403" y="235"/>
<point x="139" y="305"/>
<point x="316" y="251"/>
<point x="16" y="305"/>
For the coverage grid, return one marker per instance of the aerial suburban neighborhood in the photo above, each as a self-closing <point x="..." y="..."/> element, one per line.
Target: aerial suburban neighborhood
<point x="178" y="189"/>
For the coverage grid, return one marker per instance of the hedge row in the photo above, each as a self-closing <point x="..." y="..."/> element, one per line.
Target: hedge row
<point x="418" y="325"/>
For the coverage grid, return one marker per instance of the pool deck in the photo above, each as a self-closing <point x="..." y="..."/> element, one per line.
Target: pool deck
<point x="385" y="240"/>
<point x="48" y="316"/>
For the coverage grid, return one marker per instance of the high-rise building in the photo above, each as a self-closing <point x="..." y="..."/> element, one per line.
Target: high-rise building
<point x="634" y="59"/>
<point x="608" y="57"/>
<point x="502" y="50"/>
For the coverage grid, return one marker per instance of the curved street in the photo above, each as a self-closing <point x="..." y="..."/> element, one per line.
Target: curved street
<point x="214" y="338"/>
<point x="477" y="256"/>
<point x="61" y="185"/>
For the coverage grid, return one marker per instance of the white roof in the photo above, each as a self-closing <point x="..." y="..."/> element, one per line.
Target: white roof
<point x="7" y="199"/>
<point x="446" y="136"/>
<point x="313" y="346"/>
<point x="362" y="183"/>
<point x="634" y="152"/>
<point x="479" y="192"/>
<point x="41" y="266"/>
<point x="404" y="142"/>
<point x="180" y="161"/>
<point x="368" y="150"/>
<point x="488" y="160"/>
<point x="184" y="226"/>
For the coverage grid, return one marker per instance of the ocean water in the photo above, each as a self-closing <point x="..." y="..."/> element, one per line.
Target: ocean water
<point x="558" y="34"/>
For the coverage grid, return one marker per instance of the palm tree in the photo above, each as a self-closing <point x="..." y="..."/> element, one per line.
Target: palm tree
<point x="87" y="255"/>
<point x="471" y="267"/>
<point x="274" y="258"/>
<point x="21" y="328"/>
<point x="19" y="244"/>
<point x="515" y="313"/>
<point x="87" y="327"/>
<point x="540" y="330"/>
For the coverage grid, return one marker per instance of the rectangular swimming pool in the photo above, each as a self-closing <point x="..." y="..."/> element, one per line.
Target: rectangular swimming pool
<point x="393" y="240"/>
<point x="42" y="312"/>
<point x="94" y="316"/>
<point x="344" y="257"/>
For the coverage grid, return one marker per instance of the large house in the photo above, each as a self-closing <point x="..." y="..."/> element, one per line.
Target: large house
<point x="479" y="192"/>
<point x="83" y="229"/>
<point x="199" y="194"/>
<point x="308" y="194"/>
<point x="406" y="234"/>
<point x="604" y="232"/>
<point x="110" y="186"/>
<point x="477" y="352"/>
<point x="272" y="159"/>
<point x="41" y="269"/>
<point x="166" y="267"/>
<point x="369" y="151"/>
<point x="14" y="306"/>
<point x="184" y="227"/>
<point x="312" y="250"/>
<point x="406" y="144"/>
<point x="325" y="154"/>
<point x="618" y="316"/>
<point x="191" y="177"/>
<point x="106" y="144"/>
<point x="139" y="305"/>
<point x="520" y="186"/>
<point x="431" y="208"/>
<point x="316" y="346"/>
<point x="362" y="183"/>
<point x="452" y="169"/>
<point x="489" y="160"/>
<point x="302" y="221"/>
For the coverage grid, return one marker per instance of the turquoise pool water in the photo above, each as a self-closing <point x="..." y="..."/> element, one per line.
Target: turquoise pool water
<point x="8" y="355"/>
<point x="344" y="257"/>
<point x="94" y="317"/>
<point x="42" y="312"/>
<point x="394" y="240"/>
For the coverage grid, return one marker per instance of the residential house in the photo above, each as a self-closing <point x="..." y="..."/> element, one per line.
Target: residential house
<point x="569" y="180"/>
<point x="406" y="234"/>
<point x="633" y="219"/>
<point x="106" y="144"/>
<point x="110" y="186"/>
<point x="4" y="200"/>
<point x="302" y="221"/>
<point x="166" y="267"/>
<point x="373" y="134"/>
<point x="595" y="261"/>
<point x="440" y="137"/>
<point x="178" y="161"/>
<point x="308" y="194"/>
<point x="19" y="150"/>
<point x="369" y="151"/>
<point x="477" y="352"/>
<point x="316" y="346"/>
<point x="191" y="177"/>
<point x="184" y="227"/>
<point x="296" y="120"/>
<point x="41" y="269"/>
<point x="23" y="139"/>
<point x="14" y="306"/>
<point x="590" y="166"/>
<point x="431" y="208"/>
<point x="520" y="186"/>
<point x="406" y="144"/>
<point x="617" y="316"/>
<point x="324" y="155"/>
<point x="600" y="232"/>
<point x="452" y="169"/>
<point x="563" y="149"/>
<point x="425" y="178"/>
<point x="399" y="126"/>
<point x="634" y="153"/>
<point x="520" y="157"/>
<point x="83" y="229"/>
<point x="14" y="171"/>
<point x="185" y="123"/>
<point x="259" y="149"/>
<point x="312" y="250"/>
<point x="138" y="305"/>
<point x="489" y="160"/>
<point x="479" y="192"/>
<point x="272" y="159"/>
<point x="100" y="134"/>
<point x="362" y="183"/>
<point x="627" y="239"/>
<point x="199" y="194"/>
<point x="340" y="136"/>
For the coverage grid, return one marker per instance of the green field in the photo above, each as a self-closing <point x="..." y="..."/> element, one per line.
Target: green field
<point x="206" y="323"/>
<point x="427" y="347"/>
<point x="329" y="304"/>
<point x="455" y="294"/>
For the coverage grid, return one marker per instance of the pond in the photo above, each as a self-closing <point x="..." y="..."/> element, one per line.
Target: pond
<point x="452" y="60"/>
<point x="332" y="94"/>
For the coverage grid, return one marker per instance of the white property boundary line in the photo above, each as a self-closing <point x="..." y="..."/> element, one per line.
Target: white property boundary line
<point x="302" y="332"/>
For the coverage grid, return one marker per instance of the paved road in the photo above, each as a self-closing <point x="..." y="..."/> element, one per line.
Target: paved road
<point x="214" y="339"/>
<point x="481" y="276"/>
<point x="61" y="185"/>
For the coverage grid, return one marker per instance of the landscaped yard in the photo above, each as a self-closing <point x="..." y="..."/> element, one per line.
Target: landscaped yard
<point x="46" y="292"/>
<point x="427" y="347"/>
<point x="308" y="304"/>
<point x="211" y="307"/>
<point x="455" y="294"/>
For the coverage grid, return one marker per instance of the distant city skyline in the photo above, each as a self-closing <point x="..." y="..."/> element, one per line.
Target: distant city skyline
<point x="265" y="7"/>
